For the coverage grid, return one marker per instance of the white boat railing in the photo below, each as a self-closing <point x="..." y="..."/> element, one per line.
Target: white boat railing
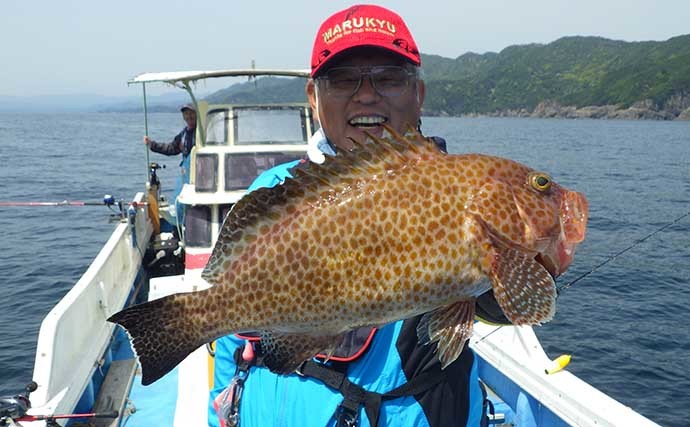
<point x="75" y="334"/>
<point x="515" y="351"/>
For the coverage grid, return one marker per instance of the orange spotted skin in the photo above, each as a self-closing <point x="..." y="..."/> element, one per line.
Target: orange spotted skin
<point x="385" y="242"/>
<point x="390" y="230"/>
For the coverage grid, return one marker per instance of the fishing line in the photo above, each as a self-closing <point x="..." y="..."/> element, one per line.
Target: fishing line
<point x="560" y="289"/>
<point x="489" y="334"/>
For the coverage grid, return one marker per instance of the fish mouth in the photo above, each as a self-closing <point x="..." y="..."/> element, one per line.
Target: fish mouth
<point x="574" y="215"/>
<point x="548" y="264"/>
<point x="558" y="260"/>
<point x="558" y="255"/>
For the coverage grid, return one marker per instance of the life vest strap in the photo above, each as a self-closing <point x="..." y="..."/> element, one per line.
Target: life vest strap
<point x="355" y="395"/>
<point x="335" y="377"/>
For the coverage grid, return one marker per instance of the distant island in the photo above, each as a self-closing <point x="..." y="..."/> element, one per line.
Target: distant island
<point x="572" y="77"/>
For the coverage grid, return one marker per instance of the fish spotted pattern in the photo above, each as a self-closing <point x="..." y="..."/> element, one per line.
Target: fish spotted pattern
<point x="393" y="229"/>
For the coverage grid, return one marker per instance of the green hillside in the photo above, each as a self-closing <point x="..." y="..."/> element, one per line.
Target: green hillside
<point x="576" y="71"/>
<point x="266" y="89"/>
<point x="572" y="71"/>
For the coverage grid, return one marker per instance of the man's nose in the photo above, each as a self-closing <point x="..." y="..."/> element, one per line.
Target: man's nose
<point x="366" y="92"/>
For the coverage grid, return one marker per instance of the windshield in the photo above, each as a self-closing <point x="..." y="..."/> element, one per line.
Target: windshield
<point x="217" y="127"/>
<point x="242" y="169"/>
<point x="274" y="125"/>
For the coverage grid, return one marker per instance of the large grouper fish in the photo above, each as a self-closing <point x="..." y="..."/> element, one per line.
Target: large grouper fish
<point x="390" y="230"/>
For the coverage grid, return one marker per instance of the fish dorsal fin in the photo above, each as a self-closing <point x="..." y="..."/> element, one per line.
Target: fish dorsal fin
<point x="266" y="206"/>
<point x="375" y="155"/>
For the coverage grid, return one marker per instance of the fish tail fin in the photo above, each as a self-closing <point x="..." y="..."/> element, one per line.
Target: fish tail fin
<point x="160" y="333"/>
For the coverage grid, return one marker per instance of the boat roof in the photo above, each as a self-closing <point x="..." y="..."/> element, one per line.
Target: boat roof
<point x="187" y="76"/>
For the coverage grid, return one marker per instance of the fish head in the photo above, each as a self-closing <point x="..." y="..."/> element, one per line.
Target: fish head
<point x="526" y="210"/>
<point x="554" y="220"/>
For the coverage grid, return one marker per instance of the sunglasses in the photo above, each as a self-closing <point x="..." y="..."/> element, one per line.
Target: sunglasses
<point x="387" y="80"/>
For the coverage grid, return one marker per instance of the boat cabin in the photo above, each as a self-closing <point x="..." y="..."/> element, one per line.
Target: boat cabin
<point x="241" y="142"/>
<point x="235" y="143"/>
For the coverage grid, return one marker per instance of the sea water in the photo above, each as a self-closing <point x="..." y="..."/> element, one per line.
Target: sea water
<point x="626" y="324"/>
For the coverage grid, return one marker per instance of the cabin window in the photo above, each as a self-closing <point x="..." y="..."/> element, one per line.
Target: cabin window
<point x="257" y="125"/>
<point x="242" y="169"/>
<point x="197" y="222"/>
<point x="223" y="212"/>
<point x="217" y="127"/>
<point x="206" y="172"/>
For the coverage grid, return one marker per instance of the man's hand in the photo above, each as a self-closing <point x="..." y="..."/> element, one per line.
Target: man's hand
<point x="147" y="140"/>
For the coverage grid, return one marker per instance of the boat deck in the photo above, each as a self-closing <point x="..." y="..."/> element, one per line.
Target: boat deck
<point x="180" y="398"/>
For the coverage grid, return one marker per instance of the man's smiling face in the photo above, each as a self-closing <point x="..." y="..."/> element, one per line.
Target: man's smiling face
<point x="348" y="117"/>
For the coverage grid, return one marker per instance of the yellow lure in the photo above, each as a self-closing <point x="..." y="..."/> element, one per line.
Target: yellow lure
<point x="558" y="364"/>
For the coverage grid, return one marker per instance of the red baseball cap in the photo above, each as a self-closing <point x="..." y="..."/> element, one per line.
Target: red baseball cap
<point x="362" y="25"/>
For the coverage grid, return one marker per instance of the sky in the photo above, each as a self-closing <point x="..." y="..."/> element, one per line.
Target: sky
<point x="93" y="47"/>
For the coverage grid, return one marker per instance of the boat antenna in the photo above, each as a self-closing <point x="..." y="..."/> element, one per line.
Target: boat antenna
<point x="146" y="130"/>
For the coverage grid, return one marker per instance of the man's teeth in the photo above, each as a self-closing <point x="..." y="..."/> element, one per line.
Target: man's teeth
<point x="367" y="121"/>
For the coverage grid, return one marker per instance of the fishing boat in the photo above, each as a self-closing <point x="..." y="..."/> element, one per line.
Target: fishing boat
<point x="85" y="372"/>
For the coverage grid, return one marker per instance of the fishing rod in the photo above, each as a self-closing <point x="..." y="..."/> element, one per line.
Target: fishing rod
<point x="13" y="410"/>
<point x="108" y="200"/>
<point x="561" y="288"/>
<point x="120" y="209"/>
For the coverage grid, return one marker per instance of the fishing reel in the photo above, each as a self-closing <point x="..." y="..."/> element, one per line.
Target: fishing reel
<point x="15" y="407"/>
<point x="153" y="176"/>
<point x="13" y="411"/>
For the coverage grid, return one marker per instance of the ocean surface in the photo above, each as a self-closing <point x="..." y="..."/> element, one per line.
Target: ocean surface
<point x="626" y="324"/>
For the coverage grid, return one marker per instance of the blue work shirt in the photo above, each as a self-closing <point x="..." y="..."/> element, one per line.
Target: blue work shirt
<point x="270" y="399"/>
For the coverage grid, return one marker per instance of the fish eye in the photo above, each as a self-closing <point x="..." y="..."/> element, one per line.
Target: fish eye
<point x="540" y="181"/>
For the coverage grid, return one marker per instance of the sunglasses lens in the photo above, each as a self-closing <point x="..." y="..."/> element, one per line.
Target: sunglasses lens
<point x="388" y="81"/>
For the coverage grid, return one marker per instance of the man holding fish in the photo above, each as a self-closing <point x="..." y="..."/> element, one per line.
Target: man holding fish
<point x="388" y="227"/>
<point x="365" y="73"/>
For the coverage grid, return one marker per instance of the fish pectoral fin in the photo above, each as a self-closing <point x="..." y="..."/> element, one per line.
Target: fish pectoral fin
<point x="523" y="288"/>
<point x="284" y="353"/>
<point x="450" y="326"/>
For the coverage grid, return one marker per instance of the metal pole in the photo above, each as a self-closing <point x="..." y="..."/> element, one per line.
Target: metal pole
<point x="146" y="131"/>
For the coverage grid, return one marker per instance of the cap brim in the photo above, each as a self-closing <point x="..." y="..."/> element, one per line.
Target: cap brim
<point x="330" y="61"/>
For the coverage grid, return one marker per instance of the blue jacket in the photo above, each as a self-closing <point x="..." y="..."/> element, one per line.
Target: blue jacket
<point x="393" y="356"/>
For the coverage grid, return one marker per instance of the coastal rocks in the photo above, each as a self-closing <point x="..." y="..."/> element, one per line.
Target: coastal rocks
<point x="677" y="104"/>
<point x="551" y="108"/>
<point x="685" y="115"/>
<point x="554" y="109"/>
<point x="595" y="112"/>
<point x="521" y="112"/>
<point x="676" y="108"/>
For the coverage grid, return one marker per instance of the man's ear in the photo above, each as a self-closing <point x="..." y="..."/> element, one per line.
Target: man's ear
<point x="421" y="91"/>
<point x="311" y="97"/>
